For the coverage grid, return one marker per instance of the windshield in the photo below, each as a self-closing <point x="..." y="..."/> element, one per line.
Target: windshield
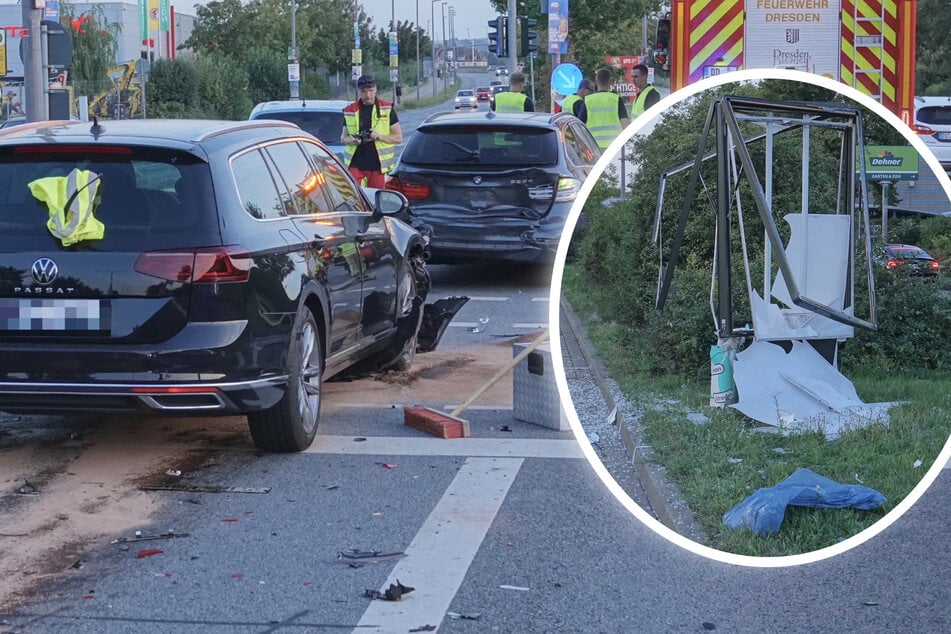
<point x="326" y="126"/>
<point x="488" y="145"/>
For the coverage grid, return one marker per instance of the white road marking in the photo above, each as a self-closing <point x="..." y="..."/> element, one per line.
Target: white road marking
<point x="489" y="299"/>
<point x="448" y="408"/>
<point x="530" y="325"/>
<point x="464" y="324"/>
<point x="488" y="447"/>
<point x="437" y="560"/>
<point x="541" y="299"/>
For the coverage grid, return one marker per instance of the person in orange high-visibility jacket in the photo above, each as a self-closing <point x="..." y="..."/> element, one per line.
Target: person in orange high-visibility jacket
<point x="371" y="131"/>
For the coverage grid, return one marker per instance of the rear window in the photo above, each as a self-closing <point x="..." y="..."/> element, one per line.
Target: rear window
<point x="935" y="115"/>
<point x="326" y="126"/>
<point x="907" y="253"/>
<point x="482" y="145"/>
<point x="148" y="198"/>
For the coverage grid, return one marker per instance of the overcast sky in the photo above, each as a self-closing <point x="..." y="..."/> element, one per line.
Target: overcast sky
<point x="471" y="14"/>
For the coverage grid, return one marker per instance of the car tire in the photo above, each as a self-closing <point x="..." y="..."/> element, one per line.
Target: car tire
<point x="291" y="424"/>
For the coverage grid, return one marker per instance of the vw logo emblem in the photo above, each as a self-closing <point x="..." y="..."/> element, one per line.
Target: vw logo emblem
<point x="477" y="180"/>
<point x="44" y="271"/>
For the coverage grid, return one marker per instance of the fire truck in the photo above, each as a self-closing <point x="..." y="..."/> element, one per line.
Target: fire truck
<point x="867" y="44"/>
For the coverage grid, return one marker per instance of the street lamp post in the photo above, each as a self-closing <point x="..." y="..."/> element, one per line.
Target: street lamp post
<point x="417" y="50"/>
<point x="445" y="79"/>
<point x="432" y="38"/>
<point x="292" y="58"/>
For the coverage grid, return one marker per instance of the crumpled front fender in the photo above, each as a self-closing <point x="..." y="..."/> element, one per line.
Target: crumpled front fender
<point x="436" y="318"/>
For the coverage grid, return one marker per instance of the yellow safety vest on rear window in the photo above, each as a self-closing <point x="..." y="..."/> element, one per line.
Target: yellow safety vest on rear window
<point x="71" y="202"/>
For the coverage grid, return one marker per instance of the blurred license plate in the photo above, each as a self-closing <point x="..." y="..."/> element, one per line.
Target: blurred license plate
<point x="55" y="315"/>
<point x="944" y="136"/>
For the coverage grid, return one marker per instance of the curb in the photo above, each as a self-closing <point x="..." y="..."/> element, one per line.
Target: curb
<point x="639" y="455"/>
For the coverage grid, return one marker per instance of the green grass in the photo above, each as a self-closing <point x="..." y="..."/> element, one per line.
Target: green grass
<point x="718" y="464"/>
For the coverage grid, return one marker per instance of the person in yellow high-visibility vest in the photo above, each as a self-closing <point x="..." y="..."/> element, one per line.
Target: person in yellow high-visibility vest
<point x="607" y="114"/>
<point x="514" y="100"/>
<point x="575" y="103"/>
<point x="647" y="95"/>
<point x="371" y="131"/>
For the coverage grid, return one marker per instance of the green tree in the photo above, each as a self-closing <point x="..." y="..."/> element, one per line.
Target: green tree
<point x="267" y="75"/>
<point x="223" y="87"/>
<point x="933" y="64"/>
<point x="95" y="42"/>
<point x="172" y="90"/>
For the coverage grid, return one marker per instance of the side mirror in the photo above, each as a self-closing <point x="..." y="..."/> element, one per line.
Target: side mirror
<point x="387" y="202"/>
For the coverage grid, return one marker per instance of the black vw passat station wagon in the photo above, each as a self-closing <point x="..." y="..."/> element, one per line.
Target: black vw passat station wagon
<point x="197" y="267"/>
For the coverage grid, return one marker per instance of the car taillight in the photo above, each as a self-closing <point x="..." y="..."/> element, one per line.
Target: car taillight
<point x="412" y="191"/>
<point x="934" y="265"/>
<point x="567" y="189"/>
<point x="919" y="128"/>
<point x="197" y="266"/>
<point x="891" y="264"/>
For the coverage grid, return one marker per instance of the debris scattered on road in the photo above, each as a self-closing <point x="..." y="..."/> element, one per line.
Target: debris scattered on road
<point x="173" y="472"/>
<point x="858" y="479"/>
<point x="139" y="537"/>
<point x="359" y="439"/>
<point x="331" y="487"/>
<point x="424" y="628"/>
<point x="229" y="520"/>
<point x="357" y="558"/>
<point x="918" y="463"/>
<point x="148" y="552"/>
<point x="483" y="324"/>
<point x="389" y="465"/>
<point x="505" y="428"/>
<point x="464" y="617"/>
<point x="27" y="488"/>
<point x="869" y="602"/>
<point x="519" y="588"/>
<point x="237" y="575"/>
<point x="394" y="593"/>
<point x="593" y="437"/>
<point x="204" y="488"/>
<point x="76" y="565"/>
<point x="708" y="626"/>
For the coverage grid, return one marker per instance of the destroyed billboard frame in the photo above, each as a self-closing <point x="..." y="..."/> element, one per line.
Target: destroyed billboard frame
<point x="807" y="305"/>
<point x="778" y="117"/>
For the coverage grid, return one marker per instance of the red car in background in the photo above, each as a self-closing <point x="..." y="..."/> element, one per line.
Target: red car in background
<point x="483" y="93"/>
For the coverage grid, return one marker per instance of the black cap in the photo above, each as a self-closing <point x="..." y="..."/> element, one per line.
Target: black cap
<point x="366" y="81"/>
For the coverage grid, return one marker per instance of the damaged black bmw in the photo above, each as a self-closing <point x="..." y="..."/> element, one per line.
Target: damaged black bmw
<point x="199" y="268"/>
<point x="494" y="186"/>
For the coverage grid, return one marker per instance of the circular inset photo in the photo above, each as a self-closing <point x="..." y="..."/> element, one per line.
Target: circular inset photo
<point x="753" y="310"/>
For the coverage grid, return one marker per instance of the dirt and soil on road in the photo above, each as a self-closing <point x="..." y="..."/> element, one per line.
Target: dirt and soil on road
<point x="69" y="482"/>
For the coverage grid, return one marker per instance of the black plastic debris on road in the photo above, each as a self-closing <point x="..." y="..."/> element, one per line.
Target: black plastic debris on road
<point x="394" y="593"/>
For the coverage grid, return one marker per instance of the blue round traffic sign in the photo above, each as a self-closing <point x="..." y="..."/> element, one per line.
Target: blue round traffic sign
<point x="565" y="79"/>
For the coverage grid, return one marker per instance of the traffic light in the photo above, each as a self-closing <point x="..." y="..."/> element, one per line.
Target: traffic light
<point x="498" y="37"/>
<point x="529" y="42"/>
